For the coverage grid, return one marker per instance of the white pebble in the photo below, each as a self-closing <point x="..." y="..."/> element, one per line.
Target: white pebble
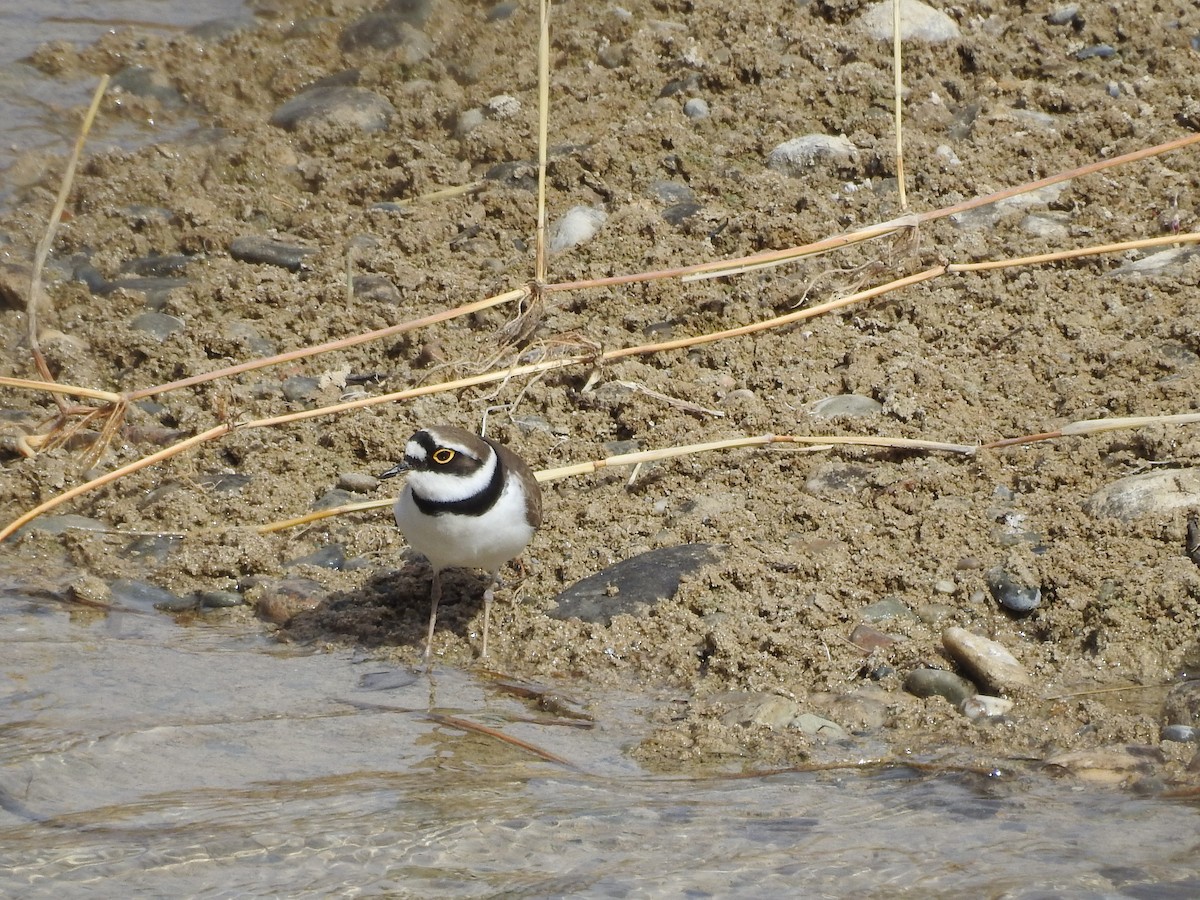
<point x="578" y="225"/>
<point x="696" y="108"/>
<point x="918" y="22"/>
<point x="502" y="106"/>
<point x="795" y="156"/>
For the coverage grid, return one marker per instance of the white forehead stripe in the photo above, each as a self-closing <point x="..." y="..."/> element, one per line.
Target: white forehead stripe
<point x="413" y="450"/>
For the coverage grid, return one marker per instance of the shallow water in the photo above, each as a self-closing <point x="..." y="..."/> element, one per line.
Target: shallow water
<point x="160" y="759"/>
<point x="39" y="113"/>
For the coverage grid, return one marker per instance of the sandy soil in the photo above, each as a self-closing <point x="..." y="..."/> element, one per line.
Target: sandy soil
<point x="810" y="539"/>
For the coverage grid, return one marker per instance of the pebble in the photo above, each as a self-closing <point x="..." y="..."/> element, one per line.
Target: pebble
<point x="986" y="217"/>
<point x="219" y="599"/>
<point x="1189" y="664"/>
<point x="1106" y="765"/>
<point x="797" y="156"/>
<point x="578" y="225"/>
<point x="349" y="106"/>
<point x="135" y="594"/>
<point x="377" y="288"/>
<point x="1164" y="263"/>
<point x="331" y="556"/>
<point x="818" y="726"/>
<point x="918" y="22"/>
<point x="224" y="482"/>
<point x="154" y="548"/>
<point x="1015" y="593"/>
<point x="388" y="29"/>
<point x="672" y="192"/>
<point x="1050" y="227"/>
<point x="851" y="405"/>
<point x="148" y="83"/>
<point x="986" y="661"/>
<point x="282" y="600"/>
<point x="332" y="500"/>
<point x="158" y="325"/>
<point x="642" y="580"/>
<point x="1063" y="15"/>
<point x="1182" y="704"/>
<point x="1179" y="733"/>
<point x="770" y="710"/>
<point x="678" y="213"/>
<point x="1096" y="51"/>
<point x="156" y="266"/>
<point x="1149" y="493"/>
<point x="887" y="608"/>
<point x="270" y="251"/>
<point x="59" y="524"/>
<point x="832" y="480"/>
<point x="939" y="683"/>
<point x="984" y="706"/>
<point x="357" y="482"/>
<point x="696" y="108"/>
<point x="502" y="106"/>
<point x="870" y="639"/>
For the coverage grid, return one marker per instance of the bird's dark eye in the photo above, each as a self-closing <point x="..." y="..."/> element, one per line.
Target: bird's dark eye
<point x="443" y="455"/>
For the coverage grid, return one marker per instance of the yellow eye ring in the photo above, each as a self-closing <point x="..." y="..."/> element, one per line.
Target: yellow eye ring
<point x="442" y="455"/>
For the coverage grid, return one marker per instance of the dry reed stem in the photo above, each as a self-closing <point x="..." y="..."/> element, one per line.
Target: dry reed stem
<point x="898" y="89"/>
<point x="42" y="253"/>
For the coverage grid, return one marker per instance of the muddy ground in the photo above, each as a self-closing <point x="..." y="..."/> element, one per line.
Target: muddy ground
<point x="809" y="540"/>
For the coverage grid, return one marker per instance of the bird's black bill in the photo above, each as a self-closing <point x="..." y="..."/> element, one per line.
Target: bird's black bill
<point x="398" y="469"/>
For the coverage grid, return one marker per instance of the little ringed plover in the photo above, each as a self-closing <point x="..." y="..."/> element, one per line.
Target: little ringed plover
<point x="469" y="502"/>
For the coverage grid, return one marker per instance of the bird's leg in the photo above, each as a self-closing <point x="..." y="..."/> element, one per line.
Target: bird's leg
<point x="435" y="594"/>
<point x="488" y="596"/>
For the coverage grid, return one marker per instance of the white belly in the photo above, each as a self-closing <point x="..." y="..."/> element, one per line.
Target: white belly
<point x="482" y="542"/>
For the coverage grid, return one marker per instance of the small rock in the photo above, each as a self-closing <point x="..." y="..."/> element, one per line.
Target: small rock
<point x="140" y="595"/>
<point x="349" y="106"/>
<point x="939" y="683"/>
<point x="852" y="405"/>
<point x="331" y="556"/>
<point x="159" y="326"/>
<point x="834" y="480"/>
<point x="1179" y="733"/>
<point x="1166" y="263"/>
<point x="797" y="156"/>
<point x="672" y="192"/>
<point x="219" y="599"/>
<point x="578" y="225"/>
<point x="1145" y="494"/>
<point x="377" y="288"/>
<point x="918" y="22"/>
<point x="142" y="81"/>
<point x="1064" y="15"/>
<point x="270" y="251"/>
<point x="986" y="661"/>
<point x="357" y="482"/>
<point x="332" y="500"/>
<point x="298" y="388"/>
<point x="1013" y="593"/>
<point x="385" y="30"/>
<point x="1106" y="765"/>
<point x="983" y="706"/>
<point x="870" y="639"/>
<point x="817" y="726"/>
<point x="771" y="710"/>
<point x="679" y="213"/>
<point x="502" y="106"/>
<point x="153" y="547"/>
<point x="887" y="608"/>
<point x="643" y="580"/>
<point x="1096" y="51"/>
<point x="1182" y="704"/>
<point x="280" y="601"/>
<point x="696" y="108"/>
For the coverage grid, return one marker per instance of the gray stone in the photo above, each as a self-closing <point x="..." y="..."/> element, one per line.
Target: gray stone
<point x="1014" y="593"/>
<point x="577" y="226"/>
<point x="139" y="595"/>
<point x="939" y="683"/>
<point x="357" y="482"/>
<point x="1150" y="493"/>
<point x="643" y="580"/>
<point x="918" y="22"/>
<point x="696" y="108"/>
<point x="986" y="661"/>
<point x="1182" y="705"/>
<point x="270" y="251"/>
<point x="852" y="405"/>
<point x="797" y="156"/>
<point x="350" y="106"/>
<point x="159" y="326"/>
